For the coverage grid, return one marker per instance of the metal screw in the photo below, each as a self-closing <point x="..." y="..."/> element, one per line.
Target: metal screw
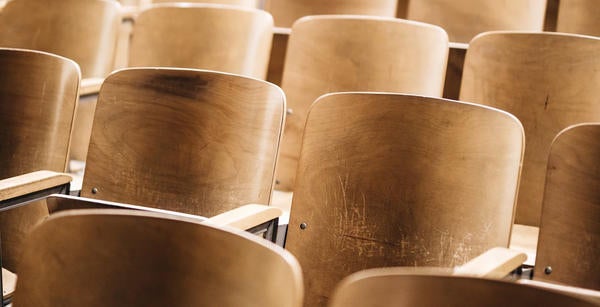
<point x="289" y="111"/>
<point x="94" y="190"/>
<point x="548" y="270"/>
<point x="303" y="226"/>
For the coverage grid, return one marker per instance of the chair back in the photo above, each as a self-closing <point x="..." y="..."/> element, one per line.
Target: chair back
<point x="355" y="53"/>
<point x="464" y="19"/>
<point x="430" y="287"/>
<point x="549" y="81"/>
<point x="286" y="12"/>
<point x="100" y="257"/>
<point x="403" y="180"/>
<point x="569" y="241"/>
<point x="579" y="16"/>
<point x="199" y="142"/>
<point x="84" y="31"/>
<point x="204" y="36"/>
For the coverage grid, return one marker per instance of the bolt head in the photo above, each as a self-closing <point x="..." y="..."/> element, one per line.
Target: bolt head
<point x="548" y="270"/>
<point x="303" y="226"/>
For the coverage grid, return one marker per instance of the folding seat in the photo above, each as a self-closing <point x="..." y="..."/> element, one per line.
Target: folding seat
<point x="579" y="16"/>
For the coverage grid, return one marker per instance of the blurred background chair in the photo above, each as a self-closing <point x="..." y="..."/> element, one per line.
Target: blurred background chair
<point x="135" y="258"/>
<point x="390" y="179"/>
<point x="353" y="53"/>
<point x="579" y="16"/>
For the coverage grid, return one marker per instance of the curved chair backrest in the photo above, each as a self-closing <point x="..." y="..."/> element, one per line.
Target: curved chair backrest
<point x="243" y="3"/>
<point x="355" y="53"/>
<point x="286" y="12"/>
<point x="428" y="287"/>
<point x="549" y="81"/>
<point x="400" y="180"/>
<point x="38" y="97"/>
<point x="216" y="37"/>
<point x="569" y="241"/>
<point x="464" y="19"/>
<point x="579" y="16"/>
<point x="100" y="257"/>
<point x="84" y="31"/>
<point x="192" y="141"/>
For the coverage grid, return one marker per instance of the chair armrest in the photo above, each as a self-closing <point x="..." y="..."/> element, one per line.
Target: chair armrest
<point x="245" y="217"/>
<point x="9" y="283"/>
<point x="90" y="86"/>
<point x="494" y="263"/>
<point x="22" y="185"/>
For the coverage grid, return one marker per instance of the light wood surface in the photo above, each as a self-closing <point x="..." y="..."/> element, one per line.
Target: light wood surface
<point x="400" y="180"/>
<point x="84" y="31"/>
<point x="9" y="282"/>
<point x="464" y="19"/>
<point x="524" y="239"/>
<point x="430" y="287"/>
<point x="286" y="12"/>
<point x="579" y="16"/>
<point x="353" y="53"/>
<point x="243" y="3"/>
<point x="38" y="97"/>
<point x="496" y="263"/>
<point x="245" y="217"/>
<point x="135" y="258"/>
<point x="215" y="37"/>
<point x="569" y="240"/>
<point x="34" y="181"/>
<point x="192" y="141"/>
<point x="548" y="80"/>
<point x="90" y="86"/>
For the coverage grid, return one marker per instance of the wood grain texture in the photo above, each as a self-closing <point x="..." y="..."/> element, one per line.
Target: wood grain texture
<point x="193" y="141"/>
<point x="426" y="287"/>
<point x="586" y="294"/>
<point x="579" y="16"/>
<point x="243" y="3"/>
<point x="549" y="81"/>
<point x="204" y="36"/>
<point x="84" y="31"/>
<point x="464" y="19"/>
<point x="27" y="183"/>
<point x="286" y="12"/>
<point x="569" y="239"/>
<point x="134" y="258"/>
<point x="352" y="53"/>
<point x="400" y="180"/>
<point x="38" y="97"/>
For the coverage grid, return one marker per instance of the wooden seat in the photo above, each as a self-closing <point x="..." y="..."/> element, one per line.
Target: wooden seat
<point x="244" y="3"/>
<point x="549" y="81"/>
<point x="191" y="141"/>
<point x="135" y="258"/>
<point x="286" y="12"/>
<point x="352" y="53"/>
<point x="434" y="287"/>
<point x="464" y="19"/>
<point x="579" y="16"/>
<point x="215" y="37"/>
<point x="391" y="179"/>
<point x="569" y="242"/>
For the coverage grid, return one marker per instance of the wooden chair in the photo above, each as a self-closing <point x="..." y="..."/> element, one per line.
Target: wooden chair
<point x="38" y="97"/>
<point x="243" y="3"/>
<point x="395" y="179"/>
<point x="569" y="242"/>
<point x="192" y="141"/>
<point x="547" y="80"/>
<point x="434" y="287"/>
<point x="464" y="19"/>
<point x="286" y="12"/>
<point x="353" y="53"/>
<point x="579" y="16"/>
<point x="135" y="258"/>
<point x="215" y="37"/>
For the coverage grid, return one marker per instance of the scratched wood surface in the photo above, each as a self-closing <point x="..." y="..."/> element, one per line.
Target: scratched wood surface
<point x="569" y="241"/>
<point x="204" y="36"/>
<point x="548" y="80"/>
<point x="38" y="97"/>
<point x="286" y="12"/>
<point x="579" y="16"/>
<point x="464" y="19"/>
<point x="389" y="287"/>
<point x="135" y="258"/>
<point x="351" y="53"/>
<point x="84" y="31"/>
<point x="396" y="180"/>
<point x="192" y="141"/>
